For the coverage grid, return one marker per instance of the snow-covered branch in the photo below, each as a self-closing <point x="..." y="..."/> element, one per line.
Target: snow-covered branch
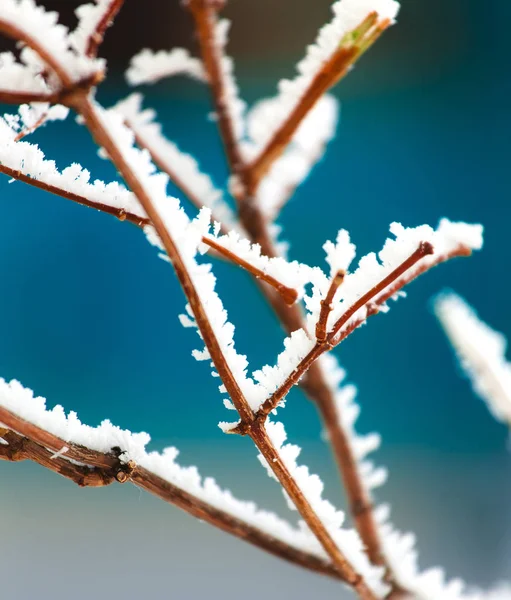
<point x="355" y="27"/>
<point x="304" y="151"/>
<point x="481" y="351"/>
<point x="95" y="456"/>
<point x="269" y="154"/>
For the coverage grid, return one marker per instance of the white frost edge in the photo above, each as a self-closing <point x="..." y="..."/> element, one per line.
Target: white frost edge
<point x="149" y="66"/>
<point x="29" y="160"/>
<point x="312" y="487"/>
<point x="293" y="274"/>
<point x="481" y="351"/>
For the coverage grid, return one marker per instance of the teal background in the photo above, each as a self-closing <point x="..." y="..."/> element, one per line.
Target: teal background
<point x="88" y="316"/>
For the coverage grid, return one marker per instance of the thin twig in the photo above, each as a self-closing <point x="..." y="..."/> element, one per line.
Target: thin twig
<point x="96" y="38"/>
<point x="205" y="14"/>
<point x="25" y="442"/>
<point x="326" y="305"/>
<point x="289" y="295"/>
<point x="87" y="109"/>
<point x="424" y="249"/>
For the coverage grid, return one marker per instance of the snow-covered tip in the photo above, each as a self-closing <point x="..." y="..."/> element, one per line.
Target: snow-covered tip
<point x="481" y="351"/>
<point x="340" y="255"/>
<point x="150" y="67"/>
<point x="349" y="15"/>
<point x="40" y="30"/>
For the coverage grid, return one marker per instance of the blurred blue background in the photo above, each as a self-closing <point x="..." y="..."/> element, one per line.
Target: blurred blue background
<point x="88" y="314"/>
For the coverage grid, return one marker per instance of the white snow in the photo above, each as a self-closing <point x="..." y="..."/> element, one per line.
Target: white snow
<point x="371" y="270"/>
<point x="18" y="77"/>
<point x="43" y="28"/>
<point x="150" y="67"/>
<point x="481" y="351"/>
<point x="29" y="160"/>
<point x="312" y="487"/>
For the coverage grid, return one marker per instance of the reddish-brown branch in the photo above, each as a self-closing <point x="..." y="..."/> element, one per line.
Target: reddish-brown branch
<point x="392" y="290"/>
<point x="120" y="213"/>
<point x="326" y="305"/>
<point x="20" y="97"/>
<point x="332" y="71"/>
<point x="96" y="38"/>
<point x="205" y="16"/>
<point x="98" y="469"/>
<point x="28" y="130"/>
